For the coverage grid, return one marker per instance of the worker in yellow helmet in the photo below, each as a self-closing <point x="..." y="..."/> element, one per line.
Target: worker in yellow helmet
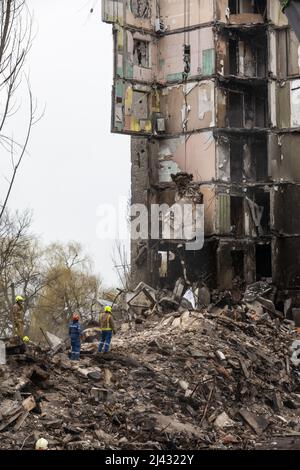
<point x="107" y="327"/>
<point x="18" y="317"/>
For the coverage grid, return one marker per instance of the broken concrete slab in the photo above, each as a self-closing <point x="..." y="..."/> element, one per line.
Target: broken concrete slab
<point x="172" y="424"/>
<point x="258" y="423"/>
<point x="53" y="339"/>
<point x="89" y="372"/>
<point x="220" y="355"/>
<point x="29" y="403"/>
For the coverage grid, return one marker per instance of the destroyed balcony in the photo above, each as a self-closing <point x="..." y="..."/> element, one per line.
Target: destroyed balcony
<point x="243" y="159"/>
<point x="246" y="11"/>
<point x="242" y="107"/>
<point x="244" y="214"/>
<point x="242" y="54"/>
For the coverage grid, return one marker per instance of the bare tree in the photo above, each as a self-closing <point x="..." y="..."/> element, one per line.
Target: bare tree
<point x="15" y="43"/>
<point x="20" y="264"/>
<point x="121" y="265"/>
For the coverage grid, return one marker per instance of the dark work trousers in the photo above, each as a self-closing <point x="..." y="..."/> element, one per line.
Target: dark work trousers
<point x="75" y="349"/>
<point x="105" y="340"/>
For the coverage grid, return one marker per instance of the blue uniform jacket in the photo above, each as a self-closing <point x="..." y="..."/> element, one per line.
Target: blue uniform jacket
<point x="75" y="330"/>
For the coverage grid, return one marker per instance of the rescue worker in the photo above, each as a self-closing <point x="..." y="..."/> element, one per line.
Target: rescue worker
<point x="75" y="333"/>
<point x="107" y="327"/>
<point x="18" y="317"/>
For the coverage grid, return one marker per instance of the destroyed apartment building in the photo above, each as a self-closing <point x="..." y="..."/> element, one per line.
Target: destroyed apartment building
<point x="211" y="88"/>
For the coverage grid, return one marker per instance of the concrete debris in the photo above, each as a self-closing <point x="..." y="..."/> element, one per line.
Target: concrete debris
<point x="258" y="423"/>
<point x="185" y="379"/>
<point x="223" y="421"/>
<point x="29" y="403"/>
<point x="54" y="340"/>
<point x="220" y="356"/>
<point x="255" y="302"/>
<point x="184" y="385"/>
<point x="295" y="347"/>
<point x="258" y="289"/>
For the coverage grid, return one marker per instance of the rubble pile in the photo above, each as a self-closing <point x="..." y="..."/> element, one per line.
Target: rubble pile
<point x="193" y="380"/>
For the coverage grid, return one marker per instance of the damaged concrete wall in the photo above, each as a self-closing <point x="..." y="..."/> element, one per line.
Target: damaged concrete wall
<point x="134" y="107"/>
<point x="202" y="55"/>
<point x="194" y="154"/>
<point x="285" y="199"/>
<point x="284" y="157"/>
<point x="197" y="12"/>
<point x="113" y="11"/>
<point x="275" y="14"/>
<point x="288" y="104"/>
<point x="188" y="107"/>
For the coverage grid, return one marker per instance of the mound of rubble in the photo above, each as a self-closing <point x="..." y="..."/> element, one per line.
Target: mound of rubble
<point x="194" y="380"/>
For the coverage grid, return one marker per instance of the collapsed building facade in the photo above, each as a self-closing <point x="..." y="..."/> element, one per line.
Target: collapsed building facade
<point x="211" y="88"/>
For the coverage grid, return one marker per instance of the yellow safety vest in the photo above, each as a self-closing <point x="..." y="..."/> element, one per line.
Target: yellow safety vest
<point x="107" y="328"/>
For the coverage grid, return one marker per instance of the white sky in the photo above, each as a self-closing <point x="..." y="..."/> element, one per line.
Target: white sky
<point x="75" y="163"/>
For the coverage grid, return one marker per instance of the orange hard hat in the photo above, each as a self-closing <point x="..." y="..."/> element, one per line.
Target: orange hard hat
<point x="75" y="316"/>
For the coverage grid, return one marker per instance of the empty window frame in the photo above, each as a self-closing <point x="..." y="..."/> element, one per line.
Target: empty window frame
<point x="141" y="53"/>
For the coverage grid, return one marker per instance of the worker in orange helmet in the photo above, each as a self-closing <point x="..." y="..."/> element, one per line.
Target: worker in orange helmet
<point x="75" y="333"/>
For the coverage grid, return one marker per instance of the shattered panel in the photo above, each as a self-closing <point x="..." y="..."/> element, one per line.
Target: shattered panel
<point x="188" y="107"/>
<point x="132" y="109"/>
<point x="194" y="155"/>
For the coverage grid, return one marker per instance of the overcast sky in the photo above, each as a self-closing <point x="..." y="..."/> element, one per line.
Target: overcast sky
<point x="75" y="163"/>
